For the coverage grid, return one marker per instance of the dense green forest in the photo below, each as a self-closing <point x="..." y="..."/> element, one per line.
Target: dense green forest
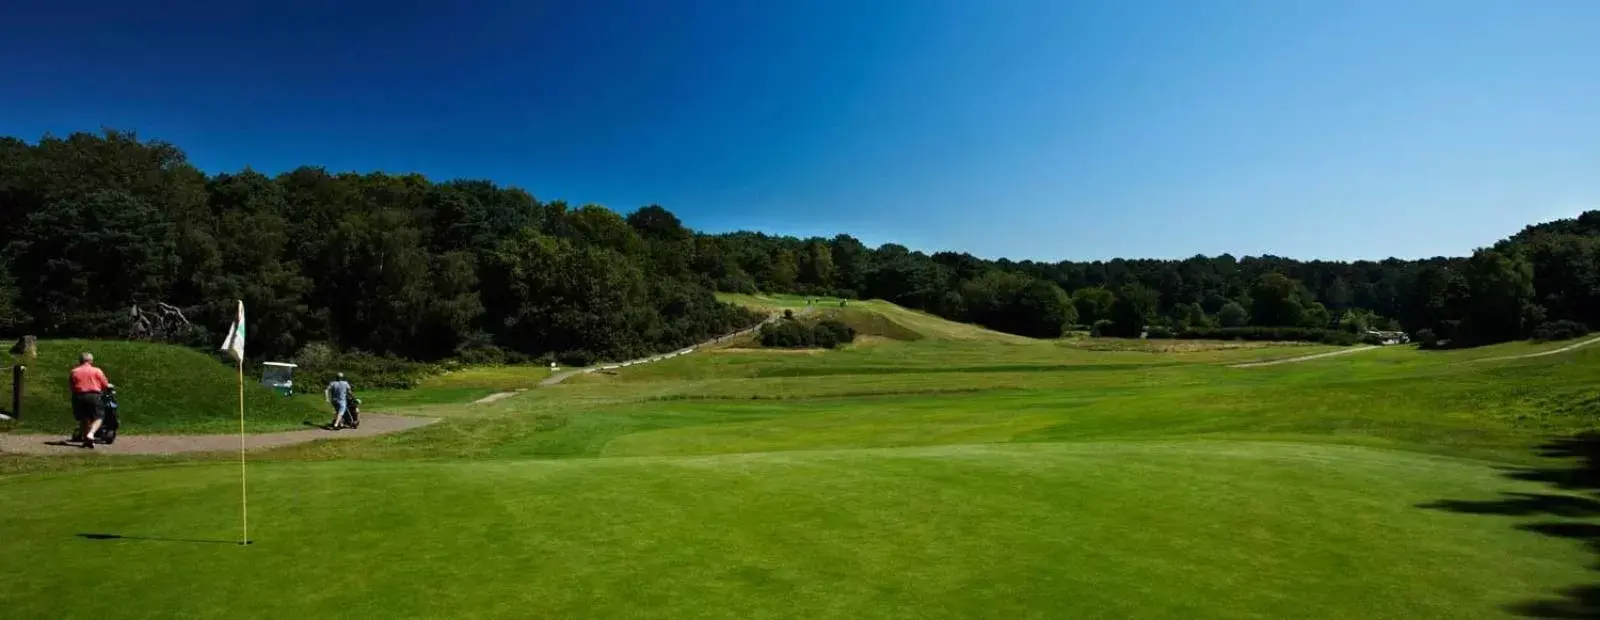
<point x="405" y="266"/>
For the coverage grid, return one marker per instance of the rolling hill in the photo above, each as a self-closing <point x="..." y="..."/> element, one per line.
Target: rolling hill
<point x="161" y="388"/>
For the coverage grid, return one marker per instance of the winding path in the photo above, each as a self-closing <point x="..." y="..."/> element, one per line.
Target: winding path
<point x="372" y="425"/>
<point x="1575" y="345"/>
<point x="568" y="374"/>
<point x="1304" y="358"/>
<point x="1502" y="358"/>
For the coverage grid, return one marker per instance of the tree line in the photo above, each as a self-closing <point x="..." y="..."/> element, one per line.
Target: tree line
<point x="1546" y="273"/>
<point x="401" y="265"/>
<point x="385" y="264"/>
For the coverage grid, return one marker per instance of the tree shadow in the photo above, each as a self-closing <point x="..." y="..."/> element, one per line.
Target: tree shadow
<point x="1575" y="470"/>
<point x="92" y="536"/>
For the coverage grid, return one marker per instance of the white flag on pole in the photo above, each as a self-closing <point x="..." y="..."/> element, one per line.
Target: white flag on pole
<point x="234" y="344"/>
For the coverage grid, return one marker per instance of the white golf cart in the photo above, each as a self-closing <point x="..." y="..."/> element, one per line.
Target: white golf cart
<point x="278" y="376"/>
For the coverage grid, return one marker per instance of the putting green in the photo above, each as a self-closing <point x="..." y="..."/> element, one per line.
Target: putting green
<point x="1186" y="529"/>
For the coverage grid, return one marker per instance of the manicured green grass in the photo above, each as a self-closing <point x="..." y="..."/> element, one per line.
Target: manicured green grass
<point x="1127" y="530"/>
<point x="459" y="386"/>
<point x="948" y="476"/>
<point x="161" y="389"/>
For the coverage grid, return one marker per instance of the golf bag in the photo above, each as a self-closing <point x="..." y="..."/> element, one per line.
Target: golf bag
<point x="113" y="422"/>
<point x="110" y="424"/>
<point x="351" y="418"/>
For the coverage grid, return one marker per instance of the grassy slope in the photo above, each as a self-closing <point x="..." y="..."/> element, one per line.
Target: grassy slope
<point x="160" y="389"/>
<point x="879" y="317"/>
<point x="936" y="478"/>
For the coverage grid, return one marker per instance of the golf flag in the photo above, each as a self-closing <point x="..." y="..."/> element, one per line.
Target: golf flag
<point x="234" y="344"/>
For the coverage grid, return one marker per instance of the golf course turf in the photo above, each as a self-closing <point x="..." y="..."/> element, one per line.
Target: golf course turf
<point x="950" y="475"/>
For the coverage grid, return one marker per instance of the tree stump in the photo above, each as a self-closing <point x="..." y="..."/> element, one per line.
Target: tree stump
<point x="27" y="346"/>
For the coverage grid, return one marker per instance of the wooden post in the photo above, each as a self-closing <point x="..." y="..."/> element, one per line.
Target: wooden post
<point x="16" y="390"/>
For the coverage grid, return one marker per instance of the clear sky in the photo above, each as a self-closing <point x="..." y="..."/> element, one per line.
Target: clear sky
<point x="1027" y="129"/>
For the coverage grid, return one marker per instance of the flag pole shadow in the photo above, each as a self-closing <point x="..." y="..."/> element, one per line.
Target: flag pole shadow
<point x="100" y="536"/>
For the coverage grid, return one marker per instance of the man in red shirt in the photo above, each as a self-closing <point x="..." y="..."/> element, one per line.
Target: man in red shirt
<point x="87" y="384"/>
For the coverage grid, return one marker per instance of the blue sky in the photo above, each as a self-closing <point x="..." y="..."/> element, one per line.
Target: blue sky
<point x="1026" y="129"/>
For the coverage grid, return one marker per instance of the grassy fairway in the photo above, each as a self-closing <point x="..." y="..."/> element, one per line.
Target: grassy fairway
<point x="949" y="475"/>
<point x="1139" y="530"/>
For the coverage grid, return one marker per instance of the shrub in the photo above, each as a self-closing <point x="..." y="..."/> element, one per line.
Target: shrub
<point x="1560" y="330"/>
<point x="319" y="363"/>
<point x="785" y="335"/>
<point x="1159" y="332"/>
<point x="489" y="355"/>
<point x="826" y="334"/>
<point x="1102" y="328"/>
<point x="575" y="359"/>
<point x="823" y="338"/>
<point x="843" y="334"/>
<point x="1427" y="338"/>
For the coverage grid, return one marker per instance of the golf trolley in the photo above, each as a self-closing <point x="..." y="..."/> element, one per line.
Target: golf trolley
<point x="351" y="417"/>
<point x="110" y="424"/>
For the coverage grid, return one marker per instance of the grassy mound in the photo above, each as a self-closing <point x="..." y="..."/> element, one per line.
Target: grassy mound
<point x="878" y="318"/>
<point x="161" y="389"/>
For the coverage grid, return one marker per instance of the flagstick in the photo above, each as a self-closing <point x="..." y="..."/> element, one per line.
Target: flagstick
<point x="244" y="496"/>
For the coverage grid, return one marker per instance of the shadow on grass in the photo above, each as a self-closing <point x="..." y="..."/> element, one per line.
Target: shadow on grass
<point x="157" y="539"/>
<point x="1575" y="470"/>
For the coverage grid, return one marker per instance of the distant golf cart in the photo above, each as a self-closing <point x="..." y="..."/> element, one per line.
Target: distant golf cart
<point x="279" y="376"/>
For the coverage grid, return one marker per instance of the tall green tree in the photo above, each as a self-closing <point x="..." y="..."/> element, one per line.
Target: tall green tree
<point x="1276" y="301"/>
<point x="1134" y="308"/>
<point x="1500" y="293"/>
<point x="93" y="253"/>
<point x="1093" y="304"/>
<point x="1233" y="315"/>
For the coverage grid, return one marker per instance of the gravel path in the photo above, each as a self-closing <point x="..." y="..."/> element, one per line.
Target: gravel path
<point x="372" y="424"/>
<point x="1524" y="356"/>
<point x="1304" y="358"/>
<point x="497" y="396"/>
<point x="568" y="374"/>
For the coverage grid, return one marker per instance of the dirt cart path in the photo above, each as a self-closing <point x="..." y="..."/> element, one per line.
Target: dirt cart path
<point x="1524" y="356"/>
<point x="372" y="424"/>
<point x="1304" y="358"/>
<point x="568" y="374"/>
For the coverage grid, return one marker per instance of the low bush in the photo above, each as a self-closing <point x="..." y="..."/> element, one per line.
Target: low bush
<point x="1101" y="328"/>
<point x="575" y="359"/>
<point x="790" y="334"/>
<point x="319" y="363"/>
<point x="1559" y="330"/>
